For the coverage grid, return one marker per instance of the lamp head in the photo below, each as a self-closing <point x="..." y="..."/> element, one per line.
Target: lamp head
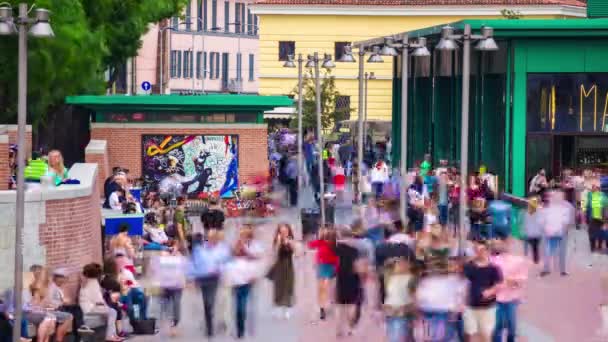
<point x="421" y="50"/>
<point x="487" y="43"/>
<point x="375" y="56"/>
<point x="289" y="63"/>
<point x="311" y="61"/>
<point x="42" y="26"/>
<point x="328" y="63"/>
<point x="446" y="42"/>
<point x="388" y="49"/>
<point x="6" y="21"/>
<point x="347" y="55"/>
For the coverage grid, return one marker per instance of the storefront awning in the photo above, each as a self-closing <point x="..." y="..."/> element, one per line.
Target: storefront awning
<point x="281" y="113"/>
<point x="184" y="103"/>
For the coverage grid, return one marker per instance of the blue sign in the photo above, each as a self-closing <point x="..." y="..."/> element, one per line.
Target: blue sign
<point x="146" y="86"/>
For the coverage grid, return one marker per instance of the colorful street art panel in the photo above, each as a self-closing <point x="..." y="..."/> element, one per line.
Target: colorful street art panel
<point x="193" y="165"/>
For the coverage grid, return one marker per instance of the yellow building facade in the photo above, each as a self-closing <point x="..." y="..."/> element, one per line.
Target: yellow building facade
<point x="309" y="27"/>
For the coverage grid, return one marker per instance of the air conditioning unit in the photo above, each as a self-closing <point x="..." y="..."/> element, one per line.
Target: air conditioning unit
<point x="234" y="86"/>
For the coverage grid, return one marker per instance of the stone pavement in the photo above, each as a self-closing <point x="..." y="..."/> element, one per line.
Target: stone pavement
<point x="555" y="308"/>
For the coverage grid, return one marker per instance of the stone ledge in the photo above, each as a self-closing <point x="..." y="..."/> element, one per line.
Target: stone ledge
<point x="13" y="128"/>
<point x="85" y="173"/>
<point x="96" y="147"/>
<point x="3" y="138"/>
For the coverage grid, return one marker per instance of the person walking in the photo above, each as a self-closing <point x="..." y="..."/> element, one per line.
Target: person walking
<point x="484" y="280"/>
<point x="169" y="274"/>
<point x="327" y="265"/>
<point x="282" y="271"/>
<point x="532" y="229"/>
<point x="514" y="270"/>
<point x="379" y="176"/>
<point x="206" y="264"/>
<point x="595" y="209"/>
<point x="555" y="219"/>
<point x="398" y="304"/>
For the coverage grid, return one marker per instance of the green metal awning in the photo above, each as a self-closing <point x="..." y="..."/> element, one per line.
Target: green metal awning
<point x="526" y="28"/>
<point x="181" y="103"/>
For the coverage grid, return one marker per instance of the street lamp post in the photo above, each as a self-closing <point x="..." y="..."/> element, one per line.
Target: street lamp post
<point x="368" y="76"/>
<point x="290" y="64"/>
<point x="40" y="27"/>
<point x="162" y="52"/>
<point x="448" y="43"/>
<point x="419" y="49"/>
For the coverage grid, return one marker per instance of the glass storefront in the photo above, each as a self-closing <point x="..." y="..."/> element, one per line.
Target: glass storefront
<point x="567" y="122"/>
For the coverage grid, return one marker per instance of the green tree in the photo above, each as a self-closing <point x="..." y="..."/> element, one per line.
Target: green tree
<point x="91" y="36"/>
<point x="330" y="115"/>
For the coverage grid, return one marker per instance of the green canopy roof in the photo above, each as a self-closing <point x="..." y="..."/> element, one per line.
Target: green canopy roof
<point x="181" y="103"/>
<point x="528" y="27"/>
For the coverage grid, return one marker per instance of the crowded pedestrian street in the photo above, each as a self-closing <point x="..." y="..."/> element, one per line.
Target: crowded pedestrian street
<point x="304" y="171"/>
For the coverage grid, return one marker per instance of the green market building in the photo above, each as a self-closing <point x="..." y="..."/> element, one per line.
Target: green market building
<point x="540" y="101"/>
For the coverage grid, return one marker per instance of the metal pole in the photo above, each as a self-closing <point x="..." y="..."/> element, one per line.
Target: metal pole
<point x="319" y="136"/>
<point x="360" y="125"/>
<point x="300" y="132"/>
<point x="162" y="38"/>
<point x="21" y="155"/>
<point x="191" y="62"/>
<point x="365" y="123"/>
<point x="464" y="131"/>
<point x="404" y="103"/>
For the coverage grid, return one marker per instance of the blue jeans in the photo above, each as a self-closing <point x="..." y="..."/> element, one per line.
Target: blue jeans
<point x="136" y="296"/>
<point x="552" y="248"/>
<point x="437" y="327"/>
<point x="241" y="294"/>
<point x="443" y="214"/>
<point x="506" y="314"/>
<point x="396" y="329"/>
<point x="378" y="189"/>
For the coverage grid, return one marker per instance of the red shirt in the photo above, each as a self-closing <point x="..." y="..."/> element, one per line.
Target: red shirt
<point x="325" y="254"/>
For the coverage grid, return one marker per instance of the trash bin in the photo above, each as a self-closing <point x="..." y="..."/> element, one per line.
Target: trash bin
<point x="311" y="219"/>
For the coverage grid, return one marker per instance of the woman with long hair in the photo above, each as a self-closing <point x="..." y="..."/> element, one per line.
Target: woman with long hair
<point x="327" y="264"/>
<point x="282" y="271"/>
<point x="56" y="167"/>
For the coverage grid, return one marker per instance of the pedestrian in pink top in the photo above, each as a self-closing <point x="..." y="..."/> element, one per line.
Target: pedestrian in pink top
<point x="514" y="270"/>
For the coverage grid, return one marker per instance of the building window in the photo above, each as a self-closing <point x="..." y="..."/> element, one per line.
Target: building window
<point x="217" y="65"/>
<point x="239" y="66"/>
<point x="251" y="67"/>
<point x="189" y="16"/>
<point x="339" y="49"/>
<point x="211" y="65"/>
<point x="199" y="66"/>
<point x="213" y="14"/>
<point x="179" y="64"/>
<point x="255" y="25"/>
<point x="226" y="16"/>
<point x="249" y="22"/>
<point x="243" y="18"/>
<point x="237" y="17"/>
<point x="187" y="64"/>
<point x="286" y="49"/>
<point x="342" y="108"/>
<point x="175" y="23"/>
<point x="199" y="13"/>
<point x="205" y="70"/>
<point x="173" y="67"/>
<point x="225" y="70"/>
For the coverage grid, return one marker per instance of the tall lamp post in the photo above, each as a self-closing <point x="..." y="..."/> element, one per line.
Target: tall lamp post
<point x="291" y="64"/>
<point x="368" y="76"/>
<point x="40" y="27"/>
<point x="347" y="57"/>
<point x="418" y="49"/>
<point x="162" y="53"/>
<point x="448" y="42"/>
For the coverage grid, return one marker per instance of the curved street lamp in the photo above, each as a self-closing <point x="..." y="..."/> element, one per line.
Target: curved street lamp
<point x="39" y="27"/>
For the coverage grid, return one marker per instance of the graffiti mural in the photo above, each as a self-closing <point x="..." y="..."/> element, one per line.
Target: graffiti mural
<point x="193" y="165"/>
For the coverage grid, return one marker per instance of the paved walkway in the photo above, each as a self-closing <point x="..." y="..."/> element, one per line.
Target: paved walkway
<point x="555" y="309"/>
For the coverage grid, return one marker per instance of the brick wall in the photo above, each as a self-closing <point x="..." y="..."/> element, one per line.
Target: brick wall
<point x="125" y="146"/>
<point x="96" y="153"/>
<point x="72" y="234"/>
<point x="5" y="171"/>
<point x="12" y="137"/>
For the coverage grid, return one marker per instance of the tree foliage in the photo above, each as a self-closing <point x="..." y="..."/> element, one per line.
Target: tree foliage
<point x="330" y="114"/>
<point x="91" y="36"/>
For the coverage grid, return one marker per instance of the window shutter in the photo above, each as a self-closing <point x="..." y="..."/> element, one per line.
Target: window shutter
<point x="251" y="67"/>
